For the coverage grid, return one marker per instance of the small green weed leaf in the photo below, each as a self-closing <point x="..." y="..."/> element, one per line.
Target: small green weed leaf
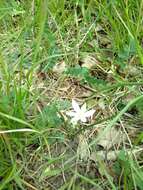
<point x="94" y="81"/>
<point x="49" y="173"/>
<point x="122" y="155"/>
<point x="85" y="76"/>
<point x="49" y="116"/>
<point x="63" y="104"/>
<point x="77" y="71"/>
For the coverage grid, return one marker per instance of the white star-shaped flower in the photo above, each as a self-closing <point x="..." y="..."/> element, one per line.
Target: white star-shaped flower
<point x="79" y="114"/>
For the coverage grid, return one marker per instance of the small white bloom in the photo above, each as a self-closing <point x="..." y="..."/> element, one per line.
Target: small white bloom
<point x="79" y="114"/>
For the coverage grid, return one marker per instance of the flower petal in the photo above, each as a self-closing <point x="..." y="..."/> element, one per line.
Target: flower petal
<point x="83" y="119"/>
<point x="83" y="108"/>
<point x="75" y="106"/>
<point x="89" y="113"/>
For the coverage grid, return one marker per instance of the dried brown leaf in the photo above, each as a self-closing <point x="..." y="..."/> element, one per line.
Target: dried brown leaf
<point x="83" y="148"/>
<point x="111" y="138"/>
